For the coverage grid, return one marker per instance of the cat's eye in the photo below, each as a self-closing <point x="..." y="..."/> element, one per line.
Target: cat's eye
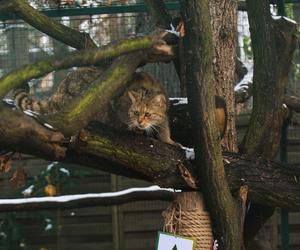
<point x="147" y="114"/>
<point x="136" y="112"/>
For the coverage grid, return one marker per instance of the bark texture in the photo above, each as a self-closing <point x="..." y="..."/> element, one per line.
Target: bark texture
<point x="273" y="43"/>
<point x="132" y="155"/>
<point x="224" y="26"/>
<point x="201" y="91"/>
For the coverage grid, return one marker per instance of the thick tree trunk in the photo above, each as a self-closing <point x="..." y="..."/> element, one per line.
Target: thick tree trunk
<point x="201" y="91"/>
<point x="224" y="26"/>
<point x="273" y="43"/>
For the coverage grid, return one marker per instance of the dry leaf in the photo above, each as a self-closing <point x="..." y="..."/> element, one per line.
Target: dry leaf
<point x="18" y="178"/>
<point x="5" y="166"/>
<point x="50" y="190"/>
<point x="5" y="162"/>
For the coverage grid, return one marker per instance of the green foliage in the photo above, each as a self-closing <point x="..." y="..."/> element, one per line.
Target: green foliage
<point x="12" y="230"/>
<point x="247" y="47"/>
<point x="289" y="10"/>
<point x="11" y="233"/>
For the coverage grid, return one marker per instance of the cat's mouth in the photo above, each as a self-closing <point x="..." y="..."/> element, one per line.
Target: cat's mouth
<point x="143" y="127"/>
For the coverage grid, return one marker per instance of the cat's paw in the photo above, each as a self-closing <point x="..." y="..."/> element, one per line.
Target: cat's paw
<point x="174" y="143"/>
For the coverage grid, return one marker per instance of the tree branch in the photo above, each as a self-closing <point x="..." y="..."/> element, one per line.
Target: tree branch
<point x="83" y="109"/>
<point x="135" y="156"/>
<point x="20" y="132"/>
<point x="78" y="58"/>
<point x="293" y="102"/>
<point x="48" y="26"/>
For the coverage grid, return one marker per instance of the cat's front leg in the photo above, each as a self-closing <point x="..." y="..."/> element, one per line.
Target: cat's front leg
<point x="165" y="135"/>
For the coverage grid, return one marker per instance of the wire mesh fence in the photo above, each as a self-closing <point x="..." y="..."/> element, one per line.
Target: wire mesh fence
<point x="21" y="44"/>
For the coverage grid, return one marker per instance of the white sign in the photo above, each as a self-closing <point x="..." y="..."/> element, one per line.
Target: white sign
<point x="167" y="241"/>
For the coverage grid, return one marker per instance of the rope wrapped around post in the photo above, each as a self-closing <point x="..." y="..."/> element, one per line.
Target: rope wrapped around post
<point x="186" y="216"/>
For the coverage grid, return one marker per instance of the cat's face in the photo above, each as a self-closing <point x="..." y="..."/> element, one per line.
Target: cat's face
<point x="146" y="112"/>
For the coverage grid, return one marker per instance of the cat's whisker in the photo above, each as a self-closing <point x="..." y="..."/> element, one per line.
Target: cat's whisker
<point x="130" y="124"/>
<point x="153" y="128"/>
<point x="150" y="130"/>
<point x="159" y="126"/>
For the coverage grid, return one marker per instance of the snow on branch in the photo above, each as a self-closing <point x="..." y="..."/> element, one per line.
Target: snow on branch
<point x="87" y="200"/>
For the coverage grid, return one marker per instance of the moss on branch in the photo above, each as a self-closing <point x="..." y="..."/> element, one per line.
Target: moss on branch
<point x="78" y="58"/>
<point x="83" y="108"/>
<point x="135" y="156"/>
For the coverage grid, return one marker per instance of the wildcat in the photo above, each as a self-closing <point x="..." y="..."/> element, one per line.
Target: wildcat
<point x="142" y="107"/>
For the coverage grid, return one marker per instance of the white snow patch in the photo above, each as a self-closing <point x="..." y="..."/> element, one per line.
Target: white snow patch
<point x="226" y="161"/>
<point x="30" y="113"/>
<point x="179" y="100"/>
<point x="173" y="30"/>
<point x="2" y="234"/>
<point x="66" y="171"/>
<point x="48" y="227"/>
<point x="48" y="126"/>
<point x="51" y="165"/>
<point x="216" y="245"/>
<point x="28" y="191"/>
<point x="285" y="18"/>
<point x="243" y="84"/>
<point x="67" y="198"/>
<point x="189" y="153"/>
<point x="9" y="101"/>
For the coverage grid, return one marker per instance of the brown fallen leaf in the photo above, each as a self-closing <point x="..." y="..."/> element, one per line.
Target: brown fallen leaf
<point x="18" y="178"/>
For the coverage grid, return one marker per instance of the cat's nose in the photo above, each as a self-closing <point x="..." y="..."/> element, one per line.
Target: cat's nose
<point x="141" y="120"/>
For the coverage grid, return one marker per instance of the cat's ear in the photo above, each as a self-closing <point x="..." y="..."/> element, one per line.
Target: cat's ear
<point x="159" y="100"/>
<point x="133" y="95"/>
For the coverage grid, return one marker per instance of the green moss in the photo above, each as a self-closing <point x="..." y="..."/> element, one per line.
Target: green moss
<point x="17" y="77"/>
<point x="106" y="147"/>
<point x="92" y="94"/>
